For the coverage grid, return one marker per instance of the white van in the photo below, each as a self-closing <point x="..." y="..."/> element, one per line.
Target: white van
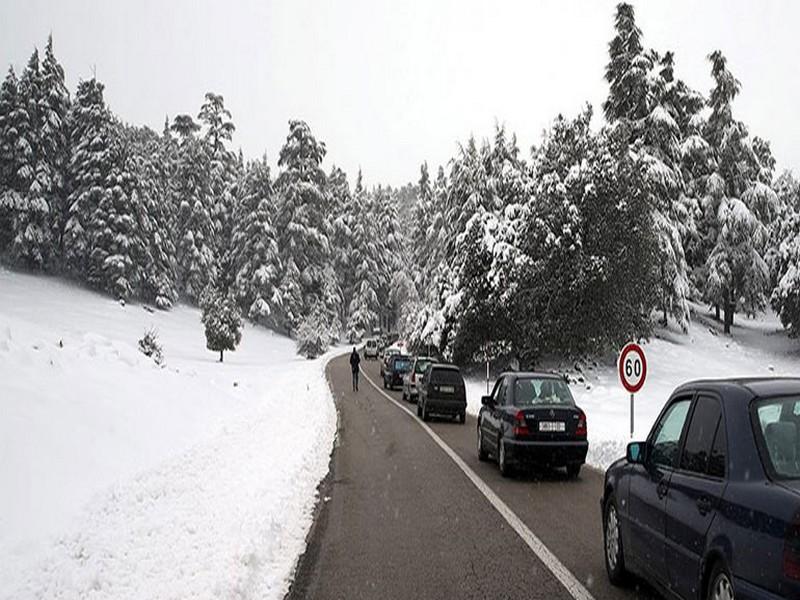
<point x="371" y="349"/>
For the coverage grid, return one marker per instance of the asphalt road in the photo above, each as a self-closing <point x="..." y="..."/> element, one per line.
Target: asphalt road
<point x="400" y="519"/>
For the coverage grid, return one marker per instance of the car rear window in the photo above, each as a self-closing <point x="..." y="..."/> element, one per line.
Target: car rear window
<point x="371" y="344"/>
<point x="402" y="364"/>
<point x="421" y="366"/>
<point x="446" y="376"/>
<point x="777" y="422"/>
<point x="533" y="391"/>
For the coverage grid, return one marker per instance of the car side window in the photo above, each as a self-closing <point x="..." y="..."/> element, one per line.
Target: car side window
<point x="500" y="393"/>
<point x="700" y="435"/>
<point x="719" y="452"/>
<point x="667" y="434"/>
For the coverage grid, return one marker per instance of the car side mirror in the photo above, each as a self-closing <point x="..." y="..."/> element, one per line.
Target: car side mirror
<point x="636" y="453"/>
<point x="487" y="401"/>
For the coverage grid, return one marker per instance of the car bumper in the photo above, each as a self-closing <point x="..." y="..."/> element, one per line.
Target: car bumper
<point x="547" y="453"/>
<point x="445" y="407"/>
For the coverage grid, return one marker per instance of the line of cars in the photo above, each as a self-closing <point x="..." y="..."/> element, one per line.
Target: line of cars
<point x="706" y="508"/>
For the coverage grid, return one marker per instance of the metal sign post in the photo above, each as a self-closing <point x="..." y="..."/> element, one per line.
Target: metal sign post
<point x="632" y="366"/>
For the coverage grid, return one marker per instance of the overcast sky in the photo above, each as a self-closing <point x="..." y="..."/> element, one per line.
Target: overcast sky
<point x="388" y="85"/>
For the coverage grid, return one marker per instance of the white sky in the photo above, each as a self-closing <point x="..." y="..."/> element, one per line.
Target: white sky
<point x="387" y="85"/>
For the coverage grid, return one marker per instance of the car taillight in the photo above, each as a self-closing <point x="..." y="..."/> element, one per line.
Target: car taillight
<point x="520" y="424"/>
<point x="581" y="429"/>
<point x="791" y="549"/>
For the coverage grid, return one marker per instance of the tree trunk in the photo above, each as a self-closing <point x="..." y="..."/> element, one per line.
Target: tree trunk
<point x="220" y="355"/>
<point x="665" y="316"/>
<point x="716" y="312"/>
<point x="728" y="317"/>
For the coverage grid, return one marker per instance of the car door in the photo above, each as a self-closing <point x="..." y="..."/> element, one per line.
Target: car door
<point x="649" y="484"/>
<point x="490" y="423"/>
<point x="695" y="491"/>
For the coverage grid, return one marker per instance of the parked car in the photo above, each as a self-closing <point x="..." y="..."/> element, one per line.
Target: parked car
<point x="708" y="507"/>
<point x="412" y="379"/>
<point x="387" y="354"/>
<point x="442" y="393"/>
<point x="396" y="368"/>
<point x="371" y="349"/>
<point x="531" y="418"/>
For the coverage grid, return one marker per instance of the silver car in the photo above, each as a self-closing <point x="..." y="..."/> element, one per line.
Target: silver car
<point x="413" y="379"/>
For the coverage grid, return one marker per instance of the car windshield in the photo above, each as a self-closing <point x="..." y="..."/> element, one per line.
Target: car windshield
<point x="533" y="391"/>
<point x="778" y="421"/>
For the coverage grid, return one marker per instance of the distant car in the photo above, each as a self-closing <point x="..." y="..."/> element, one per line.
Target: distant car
<point x="396" y="368"/>
<point x="442" y="393"/>
<point x="531" y="418"/>
<point x="371" y="349"/>
<point x="387" y="354"/>
<point x="708" y="507"/>
<point x="412" y="379"/>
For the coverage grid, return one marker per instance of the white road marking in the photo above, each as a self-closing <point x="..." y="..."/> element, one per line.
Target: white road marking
<point x="575" y="588"/>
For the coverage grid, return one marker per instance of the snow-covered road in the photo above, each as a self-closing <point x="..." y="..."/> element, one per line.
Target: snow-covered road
<point x="120" y="479"/>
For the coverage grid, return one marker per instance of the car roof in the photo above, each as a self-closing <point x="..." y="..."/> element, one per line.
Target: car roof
<point x="531" y="375"/>
<point x="446" y="366"/>
<point x="753" y="386"/>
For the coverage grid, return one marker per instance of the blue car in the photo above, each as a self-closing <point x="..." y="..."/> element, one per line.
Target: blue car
<point x="709" y="506"/>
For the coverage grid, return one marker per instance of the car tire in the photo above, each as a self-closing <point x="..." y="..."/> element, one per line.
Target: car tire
<point x="419" y="409"/>
<point x="502" y="459"/>
<point x="483" y="455"/>
<point x="720" y="584"/>
<point x="404" y="394"/>
<point x="462" y="418"/>
<point x="425" y="415"/>
<point x="613" y="552"/>
<point x="573" y="470"/>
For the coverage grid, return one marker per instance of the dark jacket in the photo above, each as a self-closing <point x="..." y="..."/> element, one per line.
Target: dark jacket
<point x="355" y="360"/>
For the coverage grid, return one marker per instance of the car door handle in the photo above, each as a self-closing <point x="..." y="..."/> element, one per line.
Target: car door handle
<point x="704" y="505"/>
<point x="661" y="490"/>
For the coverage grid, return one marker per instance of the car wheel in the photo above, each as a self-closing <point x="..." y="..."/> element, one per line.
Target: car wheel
<point x="462" y="418"/>
<point x="720" y="586"/>
<point x="612" y="544"/>
<point x="573" y="470"/>
<point x="404" y="394"/>
<point x="502" y="459"/>
<point x="419" y="409"/>
<point x="482" y="454"/>
<point x="425" y="415"/>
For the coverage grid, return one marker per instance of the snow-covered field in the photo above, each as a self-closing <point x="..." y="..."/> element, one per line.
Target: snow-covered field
<point x="757" y="347"/>
<point x="120" y="479"/>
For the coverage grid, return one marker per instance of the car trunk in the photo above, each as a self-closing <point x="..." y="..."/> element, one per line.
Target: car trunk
<point x="551" y="423"/>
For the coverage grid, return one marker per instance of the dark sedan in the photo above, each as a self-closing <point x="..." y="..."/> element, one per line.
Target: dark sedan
<point x="531" y="418"/>
<point x="708" y="507"/>
<point x="396" y="367"/>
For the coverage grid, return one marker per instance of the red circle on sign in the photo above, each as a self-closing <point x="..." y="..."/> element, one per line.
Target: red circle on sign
<point x="625" y="383"/>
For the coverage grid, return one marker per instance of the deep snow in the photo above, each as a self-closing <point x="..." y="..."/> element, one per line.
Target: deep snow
<point x="758" y="347"/>
<point x="120" y="479"/>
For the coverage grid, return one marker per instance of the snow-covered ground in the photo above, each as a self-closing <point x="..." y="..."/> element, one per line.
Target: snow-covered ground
<point x="120" y="479"/>
<point x="756" y="347"/>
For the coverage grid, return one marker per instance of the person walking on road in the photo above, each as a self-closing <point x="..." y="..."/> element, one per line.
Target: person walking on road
<point x="355" y="360"/>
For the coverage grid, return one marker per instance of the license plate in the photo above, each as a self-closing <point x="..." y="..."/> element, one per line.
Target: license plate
<point x="447" y="389"/>
<point x="551" y="426"/>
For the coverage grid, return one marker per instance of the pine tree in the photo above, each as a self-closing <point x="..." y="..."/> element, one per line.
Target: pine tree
<point x="301" y="222"/>
<point x="11" y="159"/>
<point x="627" y="69"/>
<point x="54" y="106"/>
<point x="222" y="320"/>
<point x="89" y="169"/>
<point x="195" y="234"/>
<point x="255" y="248"/>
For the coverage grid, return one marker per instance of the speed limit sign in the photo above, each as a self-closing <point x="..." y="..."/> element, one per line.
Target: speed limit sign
<point x="632" y="371"/>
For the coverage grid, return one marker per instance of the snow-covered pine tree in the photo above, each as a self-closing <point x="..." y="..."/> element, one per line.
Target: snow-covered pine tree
<point x="89" y="168"/>
<point x="738" y="207"/>
<point x="627" y="69"/>
<point x="54" y="105"/>
<point x="302" y="225"/>
<point x="422" y="220"/>
<point x="11" y="157"/>
<point x="223" y="178"/>
<point x="222" y="320"/>
<point x="313" y="333"/>
<point x="255" y="249"/>
<point x="32" y="244"/>
<point x="195" y="233"/>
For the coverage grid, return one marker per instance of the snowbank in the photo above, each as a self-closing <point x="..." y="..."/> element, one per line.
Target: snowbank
<point x="757" y="347"/>
<point x="121" y="479"/>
